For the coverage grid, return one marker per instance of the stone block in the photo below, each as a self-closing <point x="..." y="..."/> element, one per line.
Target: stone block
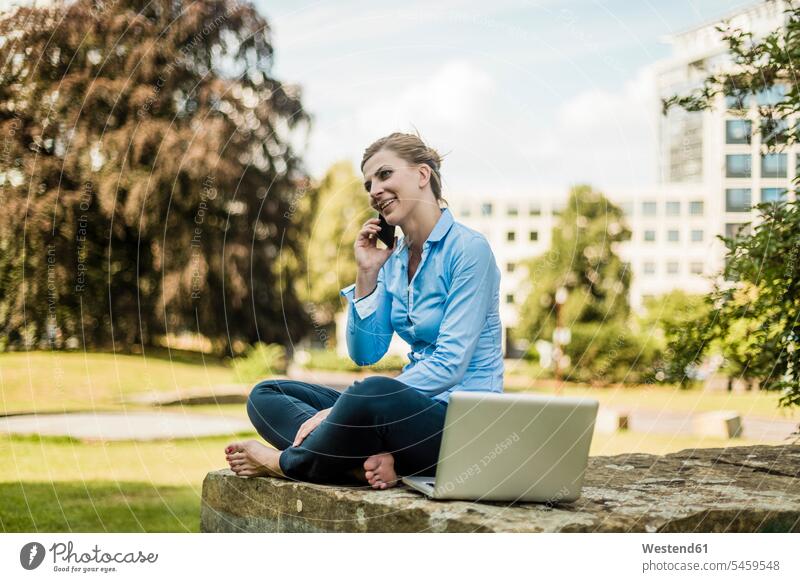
<point x="610" y="420"/>
<point x="736" y="489"/>
<point x="725" y="424"/>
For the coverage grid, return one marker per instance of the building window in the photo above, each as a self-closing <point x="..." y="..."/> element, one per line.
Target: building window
<point x="511" y="236"/>
<point x="510" y="267"/>
<point x="534" y="209"/>
<point x="773" y="131"/>
<point x="696" y="208"/>
<point x="558" y="208"/>
<point x="465" y="212"/>
<point x="696" y="268"/>
<point x="672" y="267"/>
<point x="771" y="96"/>
<point x="486" y="209"/>
<point x="673" y="208"/>
<point x="737" y="200"/>
<point x="673" y="235"/>
<point x="773" y="194"/>
<point x="649" y="236"/>
<point x="627" y="208"/>
<point x="649" y="208"/>
<point x="683" y="141"/>
<point x="773" y="166"/>
<point x="512" y="210"/>
<point x="533" y="235"/>
<point x="697" y="236"/>
<point x="649" y="268"/>
<point x="737" y="102"/>
<point x="736" y="229"/>
<point x="510" y="298"/>
<point x="738" y="131"/>
<point x="737" y="165"/>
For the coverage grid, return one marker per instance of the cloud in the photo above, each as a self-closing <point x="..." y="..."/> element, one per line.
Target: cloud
<point x="602" y="136"/>
<point x="447" y="98"/>
<point x="441" y="102"/>
<point x="606" y="137"/>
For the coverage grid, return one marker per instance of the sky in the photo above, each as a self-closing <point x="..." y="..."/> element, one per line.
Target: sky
<point x="520" y="96"/>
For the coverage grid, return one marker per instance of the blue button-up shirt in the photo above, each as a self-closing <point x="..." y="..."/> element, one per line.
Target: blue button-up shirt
<point x="448" y="314"/>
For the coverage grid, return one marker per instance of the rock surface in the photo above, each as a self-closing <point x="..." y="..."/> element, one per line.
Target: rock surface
<point x="737" y="489"/>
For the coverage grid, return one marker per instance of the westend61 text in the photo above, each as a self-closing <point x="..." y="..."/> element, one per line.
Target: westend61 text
<point x="65" y="553"/>
<point x="670" y="549"/>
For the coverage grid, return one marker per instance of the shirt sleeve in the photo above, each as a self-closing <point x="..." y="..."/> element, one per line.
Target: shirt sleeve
<point x="474" y="282"/>
<point x="367" y="305"/>
<point x="369" y="323"/>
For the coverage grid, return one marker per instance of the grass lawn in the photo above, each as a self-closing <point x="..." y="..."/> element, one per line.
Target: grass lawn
<point x="762" y="404"/>
<point x="62" y="485"/>
<point x="56" y="485"/>
<point x="60" y="381"/>
<point x="97" y="506"/>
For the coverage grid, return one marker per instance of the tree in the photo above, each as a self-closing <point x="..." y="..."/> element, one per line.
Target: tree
<point x="148" y="176"/>
<point x="754" y="320"/>
<point x="341" y="205"/>
<point x="753" y="316"/>
<point x="674" y="324"/>
<point x="582" y="258"/>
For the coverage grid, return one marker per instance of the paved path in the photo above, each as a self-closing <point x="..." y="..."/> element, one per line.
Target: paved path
<point x="120" y="426"/>
<point x="671" y="422"/>
<point x="164" y="424"/>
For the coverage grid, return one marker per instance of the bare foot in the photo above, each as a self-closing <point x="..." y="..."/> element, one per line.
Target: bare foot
<point x="253" y="459"/>
<point x="379" y="471"/>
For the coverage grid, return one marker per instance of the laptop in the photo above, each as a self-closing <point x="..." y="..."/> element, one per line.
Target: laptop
<point x="512" y="447"/>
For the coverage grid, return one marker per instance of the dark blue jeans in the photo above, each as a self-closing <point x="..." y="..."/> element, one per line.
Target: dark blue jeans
<point x="372" y="416"/>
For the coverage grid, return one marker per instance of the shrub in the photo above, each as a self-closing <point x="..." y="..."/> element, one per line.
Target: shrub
<point x="259" y="361"/>
<point x="330" y="360"/>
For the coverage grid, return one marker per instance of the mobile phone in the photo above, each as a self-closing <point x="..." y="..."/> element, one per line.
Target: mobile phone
<point x="386" y="235"/>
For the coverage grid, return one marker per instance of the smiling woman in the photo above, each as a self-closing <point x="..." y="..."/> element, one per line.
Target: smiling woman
<point x="438" y="289"/>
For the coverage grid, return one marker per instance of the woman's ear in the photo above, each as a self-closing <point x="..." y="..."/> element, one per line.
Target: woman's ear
<point x="424" y="175"/>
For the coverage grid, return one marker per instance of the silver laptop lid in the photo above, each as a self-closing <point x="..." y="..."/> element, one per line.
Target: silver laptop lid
<point x="514" y="447"/>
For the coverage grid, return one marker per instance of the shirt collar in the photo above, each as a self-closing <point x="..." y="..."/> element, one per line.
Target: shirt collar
<point x="442" y="227"/>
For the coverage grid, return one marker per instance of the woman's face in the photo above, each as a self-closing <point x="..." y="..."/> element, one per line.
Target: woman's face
<point x="395" y="187"/>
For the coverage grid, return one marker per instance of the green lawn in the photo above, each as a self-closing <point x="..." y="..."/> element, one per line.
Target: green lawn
<point x="57" y="381"/>
<point x="97" y="506"/>
<point x="55" y="485"/>
<point x="763" y="404"/>
<point x="59" y="485"/>
<point x="63" y="485"/>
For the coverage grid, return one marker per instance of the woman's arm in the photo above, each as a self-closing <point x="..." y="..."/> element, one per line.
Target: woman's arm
<point x="369" y="323"/>
<point x="468" y="302"/>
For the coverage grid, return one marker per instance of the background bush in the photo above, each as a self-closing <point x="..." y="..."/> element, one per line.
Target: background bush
<point x="260" y="361"/>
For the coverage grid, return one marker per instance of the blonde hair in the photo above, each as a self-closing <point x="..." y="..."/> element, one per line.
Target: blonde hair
<point x="412" y="149"/>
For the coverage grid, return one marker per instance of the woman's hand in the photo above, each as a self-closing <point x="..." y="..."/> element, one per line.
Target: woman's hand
<point x="308" y="426"/>
<point x="369" y="258"/>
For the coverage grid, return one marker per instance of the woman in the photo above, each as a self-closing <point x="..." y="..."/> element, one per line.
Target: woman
<point x="438" y="289"/>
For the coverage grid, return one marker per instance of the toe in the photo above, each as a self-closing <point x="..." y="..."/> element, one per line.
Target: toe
<point x="372" y="463"/>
